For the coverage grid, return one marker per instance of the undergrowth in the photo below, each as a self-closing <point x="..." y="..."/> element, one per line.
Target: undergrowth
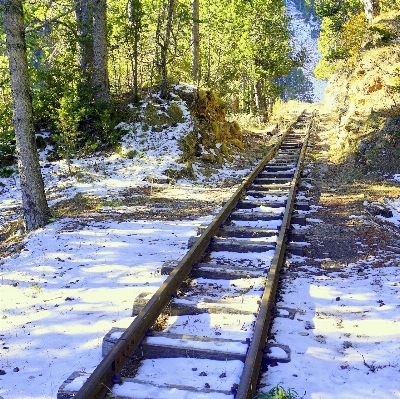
<point x="278" y="392"/>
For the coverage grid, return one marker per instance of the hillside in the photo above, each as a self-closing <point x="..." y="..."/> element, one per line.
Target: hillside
<point x="362" y="103"/>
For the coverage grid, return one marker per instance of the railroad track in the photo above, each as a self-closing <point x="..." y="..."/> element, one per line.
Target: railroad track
<point x="226" y="283"/>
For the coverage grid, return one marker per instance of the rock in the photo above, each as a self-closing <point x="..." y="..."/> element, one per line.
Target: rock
<point x="309" y="325"/>
<point x="376" y="209"/>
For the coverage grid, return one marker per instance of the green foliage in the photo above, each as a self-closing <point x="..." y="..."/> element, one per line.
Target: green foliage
<point x="40" y="142"/>
<point x="383" y="34"/>
<point x="343" y="31"/>
<point x="67" y="126"/>
<point x="7" y="140"/>
<point x="189" y="146"/>
<point x="7" y="137"/>
<point x="241" y="42"/>
<point x="6" y="172"/>
<point x="278" y="392"/>
<point x="187" y="172"/>
<point x="175" y="112"/>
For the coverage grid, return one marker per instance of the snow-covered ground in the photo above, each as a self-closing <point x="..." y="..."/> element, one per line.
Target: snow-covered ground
<point x="75" y="279"/>
<point x="302" y="36"/>
<point x="344" y="338"/>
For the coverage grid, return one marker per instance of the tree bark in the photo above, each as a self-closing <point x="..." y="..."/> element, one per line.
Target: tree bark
<point x="164" y="49"/>
<point x="84" y="19"/>
<point x="372" y="9"/>
<point x="195" y="41"/>
<point x="34" y="203"/>
<point x="100" y="80"/>
<point x="260" y="104"/>
<point x="135" y="15"/>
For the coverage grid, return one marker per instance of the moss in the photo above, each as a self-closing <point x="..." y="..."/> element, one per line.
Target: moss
<point x="216" y="130"/>
<point x="131" y="154"/>
<point x="224" y="149"/>
<point x="175" y="112"/>
<point x="155" y="115"/>
<point x="237" y="143"/>
<point x="188" y="145"/>
<point x="186" y="172"/>
<point x="208" y="158"/>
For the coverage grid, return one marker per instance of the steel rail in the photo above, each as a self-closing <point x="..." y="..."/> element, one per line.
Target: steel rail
<point x="106" y="373"/>
<point x="248" y="382"/>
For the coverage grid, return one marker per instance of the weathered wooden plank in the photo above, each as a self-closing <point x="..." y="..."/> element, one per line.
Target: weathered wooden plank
<point x="235" y="245"/>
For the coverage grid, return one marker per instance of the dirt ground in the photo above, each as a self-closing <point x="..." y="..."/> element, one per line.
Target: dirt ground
<point x="350" y="223"/>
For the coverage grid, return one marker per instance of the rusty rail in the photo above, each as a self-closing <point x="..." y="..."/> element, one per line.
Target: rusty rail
<point x="248" y="382"/>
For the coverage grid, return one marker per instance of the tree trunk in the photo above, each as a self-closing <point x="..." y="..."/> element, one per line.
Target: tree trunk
<point x="100" y="80"/>
<point x="164" y="49"/>
<point x="84" y="19"/>
<point x="260" y="104"/>
<point x="34" y="203"/>
<point x="135" y="15"/>
<point x="195" y="41"/>
<point x="372" y="9"/>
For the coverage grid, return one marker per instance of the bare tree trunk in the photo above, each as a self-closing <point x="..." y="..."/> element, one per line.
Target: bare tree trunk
<point x="135" y="15"/>
<point x="260" y="104"/>
<point x="84" y="19"/>
<point x="195" y="41"/>
<point x="164" y="49"/>
<point x="372" y="9"/>
<point x="34" y="203"/>
<point x="100" y="80"/>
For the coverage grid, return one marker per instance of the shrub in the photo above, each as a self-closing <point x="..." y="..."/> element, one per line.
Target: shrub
<point x="278" y="392"/>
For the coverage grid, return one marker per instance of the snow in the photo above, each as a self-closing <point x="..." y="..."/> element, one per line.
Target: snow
<point x="353" y="350"/>
<point x="396" y="177"/>
<point x="190" y="370"/>
<point x="68" y="287"/>
<point x="234" y="347"/>
<point x="303" y="37"/>
<point x="72" y="281"/>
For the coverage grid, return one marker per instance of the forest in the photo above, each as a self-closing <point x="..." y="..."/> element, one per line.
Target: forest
<point x="72" y="66"/>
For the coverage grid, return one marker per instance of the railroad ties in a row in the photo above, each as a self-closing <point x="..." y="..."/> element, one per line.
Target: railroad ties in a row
<point x="233" y="278"/>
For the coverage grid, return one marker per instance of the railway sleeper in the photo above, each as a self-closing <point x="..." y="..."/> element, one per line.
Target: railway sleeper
<point x="234" y="245"/>
<point x="286" y="159"/>
<point x="277" y="174"/>
<point x="277" y="168"/>
<point x="159" y="345"/>
<point x="272" y="180"/>
<point x="277" y="189"/>
<point x="289" y="146"/>
<point x="247" y="204"/>
<point x="218" y="272"/>
<point x="184" y="307"/>
<point x="153" y="390"/>
<point x="255" y="192"/>
<point x="240" y="232"/>
<point x="251" y="216"/>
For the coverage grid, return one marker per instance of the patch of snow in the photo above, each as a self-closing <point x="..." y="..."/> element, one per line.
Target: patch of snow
<point x="302" y="36"/>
